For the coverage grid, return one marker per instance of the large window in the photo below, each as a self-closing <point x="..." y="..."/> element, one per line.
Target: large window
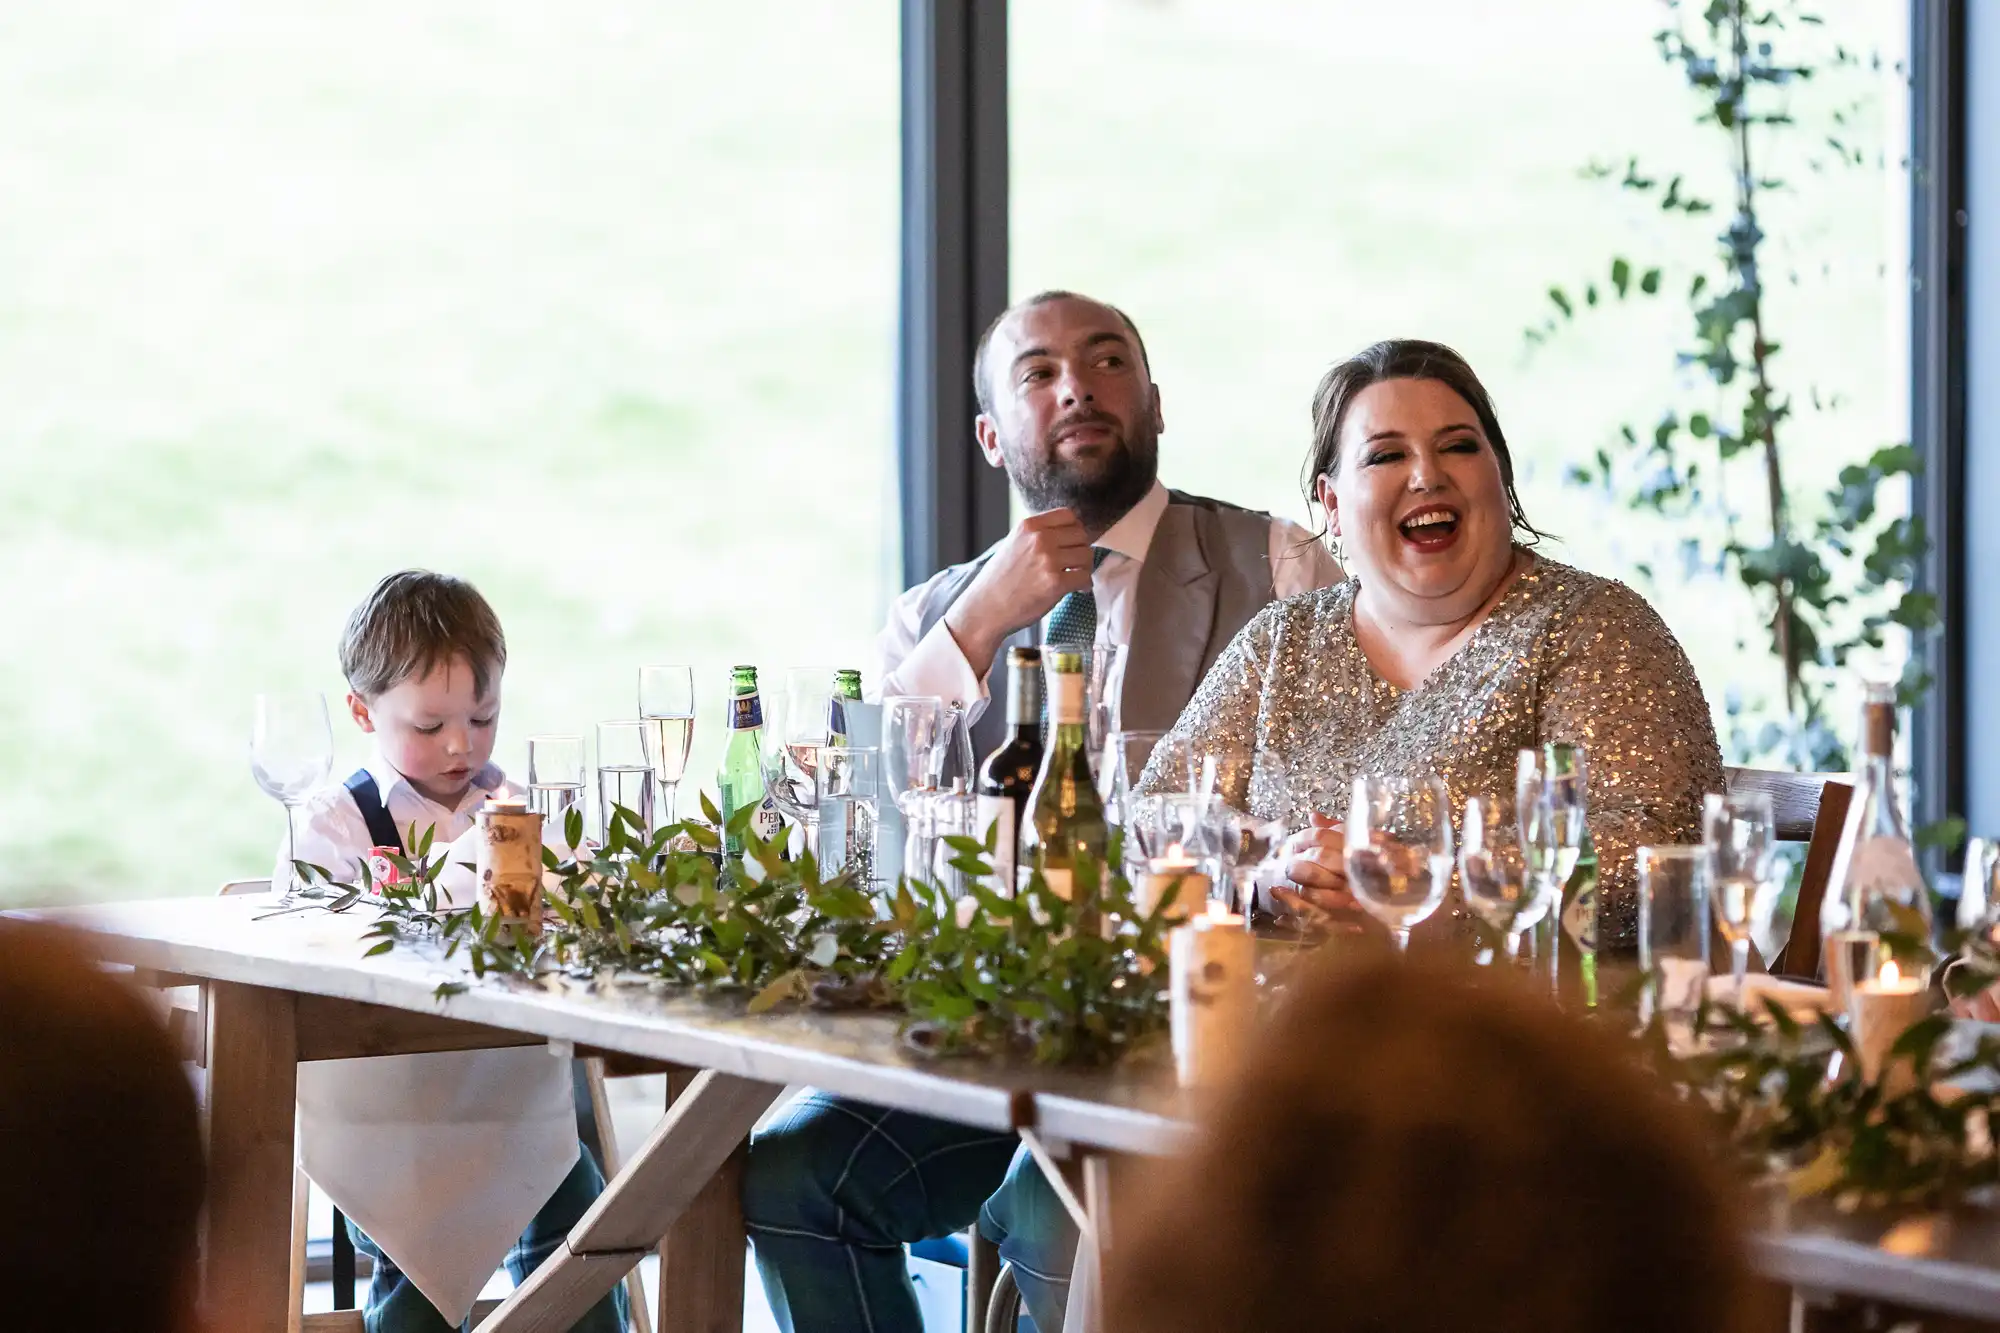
<point x="592" y="304"/>
<point x="1269" y="185"/>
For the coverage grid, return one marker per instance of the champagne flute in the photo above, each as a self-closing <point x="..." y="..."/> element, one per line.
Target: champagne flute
<point x="291" y="753"/>
<point x="1739" y="837"/>
<point x="1399" y="848"/>
<point x="1497" y="872"/>
<point x="666" y="715"/>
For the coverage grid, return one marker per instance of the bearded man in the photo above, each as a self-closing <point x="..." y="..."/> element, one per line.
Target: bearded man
<point x="836" y="1187"/>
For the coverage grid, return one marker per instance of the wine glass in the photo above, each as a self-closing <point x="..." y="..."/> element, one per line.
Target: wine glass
<point x="797" y="726"/>
<point x="1976" y="896"/>
<point x="291" y="752"/>
<point x="1739" y="840"/>
<point x="913" y="740"/>
<point x="666" y="712"/>
<point x="1399" y="848"/>
<point x="1497" y="873"/>
<point x="1104" y="686"/>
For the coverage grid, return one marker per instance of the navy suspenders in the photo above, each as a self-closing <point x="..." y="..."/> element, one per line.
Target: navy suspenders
<point x="368" y="800"/>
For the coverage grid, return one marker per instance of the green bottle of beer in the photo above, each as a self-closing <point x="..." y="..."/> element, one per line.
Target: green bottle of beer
<point x="846" y="690"/>
<point x="741" y="779"/>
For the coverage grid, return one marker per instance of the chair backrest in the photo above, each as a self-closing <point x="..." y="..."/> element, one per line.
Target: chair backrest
<point x="245" y="886"/>
<point x="1809" y="808"/>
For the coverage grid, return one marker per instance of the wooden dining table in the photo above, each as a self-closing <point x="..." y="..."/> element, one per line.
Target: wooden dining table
<point x="279" y="990"/>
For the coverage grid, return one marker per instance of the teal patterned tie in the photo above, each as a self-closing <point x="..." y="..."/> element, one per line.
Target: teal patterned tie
<point x="1073" y="624"/>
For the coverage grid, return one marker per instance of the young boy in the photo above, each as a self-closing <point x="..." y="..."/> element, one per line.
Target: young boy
<point x="445" y="1164"/>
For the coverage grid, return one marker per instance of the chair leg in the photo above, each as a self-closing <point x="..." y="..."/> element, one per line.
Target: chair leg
<point x="982" y="1271"/>
<point x="295" y="1313"/>
<point x="600" y="1135"/>
<point x="343" y="1264"/>
<point x="1004" y="1314"/>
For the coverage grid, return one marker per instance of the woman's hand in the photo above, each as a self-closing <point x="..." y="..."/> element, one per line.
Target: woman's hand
<point x="1315" y="860"/>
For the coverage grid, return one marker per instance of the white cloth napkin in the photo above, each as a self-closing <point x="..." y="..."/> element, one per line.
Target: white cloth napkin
<point x="442" y="1159"/>
<point x="1798" y="997"/>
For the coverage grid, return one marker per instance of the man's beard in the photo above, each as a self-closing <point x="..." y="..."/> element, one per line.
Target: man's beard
<point x="1101" y="494"/>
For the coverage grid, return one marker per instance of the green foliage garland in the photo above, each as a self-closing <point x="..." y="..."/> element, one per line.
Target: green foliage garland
<point x="1035" y="975"/>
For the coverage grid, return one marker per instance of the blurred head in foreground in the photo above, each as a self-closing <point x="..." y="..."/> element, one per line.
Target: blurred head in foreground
<point x="1404" y="1153"/>
<point x="101" y="1179"/>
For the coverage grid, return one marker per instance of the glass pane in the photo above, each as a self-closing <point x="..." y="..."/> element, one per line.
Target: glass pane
<point x="1270" y="185"/>
<point x="592" y="304"/>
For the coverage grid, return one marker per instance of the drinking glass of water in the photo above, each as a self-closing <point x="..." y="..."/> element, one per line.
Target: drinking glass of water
<point x="849" y="783"/>
<point x="555" y="777"/>
<point x="625" y="774"/>
<point x="1497" y="873"/>
<point x="666" y="708"/>
<point x="798" y="722"/>
<point x="1739" y="838"/>
<point x="291" y="752"/>
<point x="1673" y="932"/>
<point x="1399" y="848"/>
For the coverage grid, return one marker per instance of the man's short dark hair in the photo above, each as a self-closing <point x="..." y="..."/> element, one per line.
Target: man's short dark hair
<point x="982" y="388"/>
<point x="102" y="1189"/>
<point x="414" y="622"/>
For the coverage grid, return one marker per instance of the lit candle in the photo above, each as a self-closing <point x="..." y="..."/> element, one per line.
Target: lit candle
<point x="1880" y="1010"/>
<point x="1176" y="868"/>
<point x="1213" y="985"/>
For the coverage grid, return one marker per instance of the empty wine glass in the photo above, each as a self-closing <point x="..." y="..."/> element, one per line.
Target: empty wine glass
<point x="1104" y="685"/>
<point x="291" y="752"/>
<point x="797" y="725"/>
<point x="1739" y="839"/>
<point x="913" y="732"/>
<point x="1399" y="848"/>
<point x="1497" y="873"/>
<point x="1977" y="898"/>
<point x="666" y="708"/>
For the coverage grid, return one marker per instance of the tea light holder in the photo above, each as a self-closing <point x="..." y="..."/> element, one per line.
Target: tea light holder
<point x="1880" y="1010"/>
<point x="1212" y="982"/>
<point x="1182" y="875"/>
<point x="509" y="864"/>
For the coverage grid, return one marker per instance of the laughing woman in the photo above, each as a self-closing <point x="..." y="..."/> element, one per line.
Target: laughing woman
<point x="1451" y="646"/>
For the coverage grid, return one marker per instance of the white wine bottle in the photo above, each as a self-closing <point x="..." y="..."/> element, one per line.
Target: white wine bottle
<point x="1065" y="815"/>
<point x="1874" y="887"/>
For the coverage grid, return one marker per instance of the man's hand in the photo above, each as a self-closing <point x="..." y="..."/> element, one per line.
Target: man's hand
<point x="1043" y="559"/>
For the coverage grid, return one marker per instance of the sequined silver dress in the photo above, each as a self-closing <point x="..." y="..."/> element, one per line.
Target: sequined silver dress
<point x="1563" y="656"/>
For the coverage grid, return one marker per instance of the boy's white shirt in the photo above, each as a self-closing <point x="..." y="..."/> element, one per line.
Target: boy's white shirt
<point x="442" y="1159"/>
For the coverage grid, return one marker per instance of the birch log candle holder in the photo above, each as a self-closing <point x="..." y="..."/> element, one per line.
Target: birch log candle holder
<point x="510" y="864"/>
<point x="1212" y="977"/>
<point x="1880" y="1010"/>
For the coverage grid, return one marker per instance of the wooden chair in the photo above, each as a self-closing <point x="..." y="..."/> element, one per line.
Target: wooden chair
<point x="1810" y="808"/>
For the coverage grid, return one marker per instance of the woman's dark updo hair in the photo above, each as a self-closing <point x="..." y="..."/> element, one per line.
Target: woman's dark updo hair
<point x="1403" y="359"/>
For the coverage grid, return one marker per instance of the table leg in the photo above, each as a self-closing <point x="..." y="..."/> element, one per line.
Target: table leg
<point x="706" y="1124"/>
<point x="701" y="1256"/>
<point x="248" y="1118"/>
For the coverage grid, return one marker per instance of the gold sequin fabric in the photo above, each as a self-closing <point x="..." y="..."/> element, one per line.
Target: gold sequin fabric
<point x="1563" y="656"/>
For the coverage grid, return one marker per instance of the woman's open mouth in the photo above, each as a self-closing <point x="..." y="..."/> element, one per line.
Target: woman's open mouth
<point x="1432" y="528"/>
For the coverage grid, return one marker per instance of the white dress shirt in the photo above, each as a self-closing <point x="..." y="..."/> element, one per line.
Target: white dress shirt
<point x="442" y="1159"/>
<point x="907" y="662"/>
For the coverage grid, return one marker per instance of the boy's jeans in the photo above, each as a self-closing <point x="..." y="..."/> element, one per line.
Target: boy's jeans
<point x="396" y="1306"/>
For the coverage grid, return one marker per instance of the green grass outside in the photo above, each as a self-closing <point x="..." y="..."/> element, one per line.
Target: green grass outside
<point x="594" y="304"/>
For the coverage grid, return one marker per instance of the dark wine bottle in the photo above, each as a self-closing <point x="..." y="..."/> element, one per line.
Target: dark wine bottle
<point x="1008" y="774"/>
